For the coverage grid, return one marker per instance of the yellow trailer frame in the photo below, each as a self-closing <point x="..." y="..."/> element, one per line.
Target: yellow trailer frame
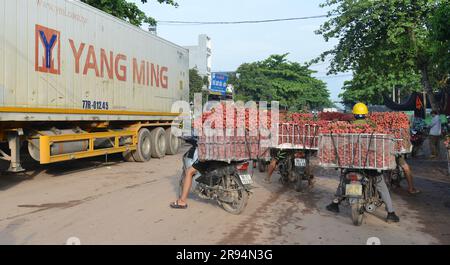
<point x="45" y="143"/>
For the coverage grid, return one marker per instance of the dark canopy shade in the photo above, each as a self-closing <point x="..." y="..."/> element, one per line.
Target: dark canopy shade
<point x="416" y="103"/>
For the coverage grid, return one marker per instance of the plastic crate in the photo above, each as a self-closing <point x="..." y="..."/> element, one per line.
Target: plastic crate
<point x="293" y="136"/>
<point x="403" y="141"/>
<point x="228" y="148"/>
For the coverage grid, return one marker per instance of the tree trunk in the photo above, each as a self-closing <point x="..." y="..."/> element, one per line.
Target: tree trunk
<point x="427" y="87"/>
<point x="423" y="67"/>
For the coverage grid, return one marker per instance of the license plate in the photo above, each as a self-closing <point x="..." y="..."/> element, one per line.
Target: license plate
<point x="353" y="190"/>
<point x="300" y="162"/>
<point x="246" y="179"/>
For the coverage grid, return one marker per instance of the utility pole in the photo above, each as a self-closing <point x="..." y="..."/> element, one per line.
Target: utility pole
<point x="425" y="103"/>
<point x="393" y="93"/>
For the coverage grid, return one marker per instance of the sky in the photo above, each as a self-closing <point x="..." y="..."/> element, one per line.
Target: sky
<point x="237" y="44"/>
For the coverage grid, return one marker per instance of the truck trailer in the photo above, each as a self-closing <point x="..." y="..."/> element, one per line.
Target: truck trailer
<point x="76" y="82"/>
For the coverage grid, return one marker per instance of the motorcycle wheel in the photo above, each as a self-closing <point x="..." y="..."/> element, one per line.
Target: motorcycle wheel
<point x="284" y="178"/>
<point x="300" y="184"/>
<point x="262" y="166"/>
<point x="397" y="177"/>
<point x="239" y="195"/>
<point x="414" y="151"/>
<point x="357" y="214"/>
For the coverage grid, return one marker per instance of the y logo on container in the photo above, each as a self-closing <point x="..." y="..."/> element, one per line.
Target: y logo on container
<point x="48" y="50"/>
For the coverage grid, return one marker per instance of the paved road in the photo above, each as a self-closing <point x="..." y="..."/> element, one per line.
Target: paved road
<point x="127" y="203"/>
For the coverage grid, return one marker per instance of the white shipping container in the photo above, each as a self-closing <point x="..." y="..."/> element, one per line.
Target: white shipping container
<point x="65" y="60"/>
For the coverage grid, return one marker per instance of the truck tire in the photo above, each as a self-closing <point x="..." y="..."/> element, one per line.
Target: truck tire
<point x="128" y="156"/>
<point x="182" y="142"/>
<point x="172" y="143"/>
<point x="158" y="142"/>
<point x="144" y="149"/>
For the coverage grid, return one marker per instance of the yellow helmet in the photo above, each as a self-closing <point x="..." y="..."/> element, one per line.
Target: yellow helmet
<point x="360" y="109"/>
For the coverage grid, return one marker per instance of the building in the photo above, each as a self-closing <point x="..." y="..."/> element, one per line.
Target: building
<point x="200" y="56"/>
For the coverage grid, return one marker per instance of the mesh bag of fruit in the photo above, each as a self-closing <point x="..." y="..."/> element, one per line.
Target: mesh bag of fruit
<point x="359" y="151"/>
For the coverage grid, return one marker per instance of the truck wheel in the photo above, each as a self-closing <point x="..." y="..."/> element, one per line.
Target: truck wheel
<point x="144" y="146"/>
<point x="181" y="142"/>
<point x="128" y="156"/>
<point x="172" y="142"/>
<point x="158" y="142"/>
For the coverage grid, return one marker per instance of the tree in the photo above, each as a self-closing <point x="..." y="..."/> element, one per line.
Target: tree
<point x="278" y="79"/>
<point x="196" y="83"/>
<point x="381" y="40"/>
<point x="127" y="11"/>
<point x="440" y="39"/>
<point x="369" y="85"/>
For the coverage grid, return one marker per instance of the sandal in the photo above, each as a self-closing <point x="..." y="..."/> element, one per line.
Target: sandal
<point x="176" y="205"/>
<point x="268" y="181"/>
<point x="414" y="192"/>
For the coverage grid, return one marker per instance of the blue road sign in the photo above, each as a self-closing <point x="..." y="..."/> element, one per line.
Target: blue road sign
<point x="219" y="83"/>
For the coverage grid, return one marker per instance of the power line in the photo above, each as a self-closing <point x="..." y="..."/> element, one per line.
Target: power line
<point x="194" y="23"/>
<point x="333" y="76"/>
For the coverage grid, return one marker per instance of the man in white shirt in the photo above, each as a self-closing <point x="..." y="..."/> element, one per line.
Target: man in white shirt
<point x="435" y="134"/>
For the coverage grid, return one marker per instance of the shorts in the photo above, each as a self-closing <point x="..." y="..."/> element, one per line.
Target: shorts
<point x="278" y="154"/>
<point x="401" y="161"/>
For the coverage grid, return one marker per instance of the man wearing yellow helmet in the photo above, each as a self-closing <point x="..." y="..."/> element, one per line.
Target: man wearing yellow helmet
<point x="360" y="111"/>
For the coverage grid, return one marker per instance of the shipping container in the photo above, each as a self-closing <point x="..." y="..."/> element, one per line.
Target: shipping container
<point x="68" y="70"/>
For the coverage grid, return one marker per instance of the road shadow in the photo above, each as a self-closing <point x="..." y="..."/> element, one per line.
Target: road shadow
<point x="431" y="208"/>
<point x="33" y="169"/>
<point x="433" y="203"/>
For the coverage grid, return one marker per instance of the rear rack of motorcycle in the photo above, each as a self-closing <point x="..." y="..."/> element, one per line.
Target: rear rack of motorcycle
<point x="294" y="136"/>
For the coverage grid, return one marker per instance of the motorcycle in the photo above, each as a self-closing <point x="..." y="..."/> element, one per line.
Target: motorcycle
<point x="417" y="139"/>
<point x="262" y="164"/>
<point x="360" y="192"/>
<point x="295" y="168"/>
<point x="227" y="183"/>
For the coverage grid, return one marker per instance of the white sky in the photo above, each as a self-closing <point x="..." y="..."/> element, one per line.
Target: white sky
<point x="237" y="44"/>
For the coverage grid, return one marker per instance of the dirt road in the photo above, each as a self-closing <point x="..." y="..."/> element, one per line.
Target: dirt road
<point x="127" y="203"/>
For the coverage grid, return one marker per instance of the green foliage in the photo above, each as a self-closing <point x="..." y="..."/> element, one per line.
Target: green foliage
<point x="369" y="86"/>
<point x="278" y="79"/>
<point x="127" y="11"/>
<point x="196" y="83"/>
<point x="383" y="42"/>
<point x="375" y="33"/>
<point x="440" y="39"/>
